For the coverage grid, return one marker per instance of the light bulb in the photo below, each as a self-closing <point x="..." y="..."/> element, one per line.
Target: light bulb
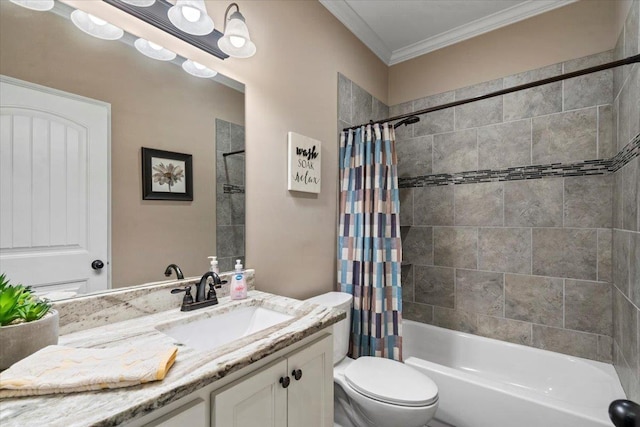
<point x="153" y="50"/>
<point x="95" y="26"/>
<point x="39" y="5"/>
<point x="191" y="14"/>
<point x="196" y="69"/>
<point x="237" y="41"/>
<point x="96" y="20"/>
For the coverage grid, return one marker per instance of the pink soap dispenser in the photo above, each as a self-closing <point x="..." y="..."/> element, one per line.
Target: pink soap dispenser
<point x="238" y="283"/>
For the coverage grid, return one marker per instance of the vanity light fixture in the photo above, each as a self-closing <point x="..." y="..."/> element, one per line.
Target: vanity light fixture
<point x="198" y="70"/>
<point x="153" y="50"/>
<point x="191" y="17"/>
<point x="95" y="26"/>
<point x="39" y="5"/>
<point x="236" y="41"/>
<point x="140" y="3"/>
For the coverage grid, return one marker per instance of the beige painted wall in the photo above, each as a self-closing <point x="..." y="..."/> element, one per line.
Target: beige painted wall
<point x="291" y="85"/>
<point x="573" y="31"/>
<point x="154" y="105"/>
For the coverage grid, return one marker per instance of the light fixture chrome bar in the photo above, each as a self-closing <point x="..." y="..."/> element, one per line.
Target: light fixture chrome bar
<point x="156" y="15"/>
<point x="63" y="10"/>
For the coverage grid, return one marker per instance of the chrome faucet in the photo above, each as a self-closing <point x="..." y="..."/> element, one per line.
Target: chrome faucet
<point x="167" y="271"/>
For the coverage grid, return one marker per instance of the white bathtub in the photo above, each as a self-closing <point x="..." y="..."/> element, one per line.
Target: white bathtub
<point x="489" y="383"/>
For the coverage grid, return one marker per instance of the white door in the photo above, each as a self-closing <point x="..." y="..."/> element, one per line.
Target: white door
<point x="54" y="188"/>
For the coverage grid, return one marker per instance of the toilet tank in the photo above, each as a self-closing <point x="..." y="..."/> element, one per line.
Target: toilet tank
<point x="341" y="330"/>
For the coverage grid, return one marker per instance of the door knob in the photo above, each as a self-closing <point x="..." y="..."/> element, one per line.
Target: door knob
<point x="297" y="374"/>
<point x="97" y="264"/>
<point x="285" y="381"/>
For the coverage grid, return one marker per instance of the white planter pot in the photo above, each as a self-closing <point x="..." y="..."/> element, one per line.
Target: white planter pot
<point x="21" y="340"/>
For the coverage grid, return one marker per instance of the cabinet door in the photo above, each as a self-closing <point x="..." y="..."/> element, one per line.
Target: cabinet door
<point x="310" y="400"/>
<point x="193" y="414"/>
<point x="256" y="400"/>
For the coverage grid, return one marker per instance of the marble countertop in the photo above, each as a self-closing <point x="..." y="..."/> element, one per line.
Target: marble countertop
<point x="192" y="370"/>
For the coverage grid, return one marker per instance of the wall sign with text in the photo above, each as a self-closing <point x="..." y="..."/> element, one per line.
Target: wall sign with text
<point x="304" y="163"/>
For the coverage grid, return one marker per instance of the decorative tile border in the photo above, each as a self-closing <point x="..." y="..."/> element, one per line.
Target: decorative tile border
<point x="624" y="156"/>
<point x="232" y="189"/>
<point x="587" y="167"/>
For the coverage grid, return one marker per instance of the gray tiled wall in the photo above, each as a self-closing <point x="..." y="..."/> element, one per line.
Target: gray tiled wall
<point x="626" y="217"/>
<point x="529" y="261"/>
<point x="523" y="261"/>
<point x="357" y="106"/>
<point x="563" y="122"/>
<point x="230" y="213"/>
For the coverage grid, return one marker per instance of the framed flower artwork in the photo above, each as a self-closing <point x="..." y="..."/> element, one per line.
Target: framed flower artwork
<point x="166" y="175"/>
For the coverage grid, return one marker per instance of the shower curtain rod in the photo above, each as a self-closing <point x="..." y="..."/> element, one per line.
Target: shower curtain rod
<point x="608" y="65"/>
<point x="231" y="153"/>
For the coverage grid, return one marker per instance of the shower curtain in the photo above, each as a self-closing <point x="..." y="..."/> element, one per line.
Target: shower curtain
<point x="369" y="245"/>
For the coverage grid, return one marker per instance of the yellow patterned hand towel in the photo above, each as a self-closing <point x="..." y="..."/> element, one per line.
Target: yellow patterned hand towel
<point x="59" y="369"/>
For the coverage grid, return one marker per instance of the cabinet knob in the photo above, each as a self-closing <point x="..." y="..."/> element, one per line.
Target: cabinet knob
<point x="285" y="381"/>
<point x="297" y="374"/>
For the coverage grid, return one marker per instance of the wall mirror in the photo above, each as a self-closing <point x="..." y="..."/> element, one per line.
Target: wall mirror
<point x="151" y="104"/>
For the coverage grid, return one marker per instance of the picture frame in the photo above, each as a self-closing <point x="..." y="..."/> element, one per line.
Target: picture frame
<point x="304" y="160"/>
<point x="166" y="175"/>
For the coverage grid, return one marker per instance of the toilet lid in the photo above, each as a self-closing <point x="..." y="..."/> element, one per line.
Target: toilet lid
<point x="391" y="382"/>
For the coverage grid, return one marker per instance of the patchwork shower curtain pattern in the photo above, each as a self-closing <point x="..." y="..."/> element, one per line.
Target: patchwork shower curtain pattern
<point x="369" y="244"/>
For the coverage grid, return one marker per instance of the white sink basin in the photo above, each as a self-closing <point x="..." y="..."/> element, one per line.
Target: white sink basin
<point x="212" y="332"/>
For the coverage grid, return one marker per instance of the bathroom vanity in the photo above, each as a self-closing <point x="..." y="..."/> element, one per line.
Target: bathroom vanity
<point x="258" y="396"/>
<point x="278" y="376"/>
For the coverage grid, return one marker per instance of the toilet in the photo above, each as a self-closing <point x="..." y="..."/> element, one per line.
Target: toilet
<point x="374" y="391"/>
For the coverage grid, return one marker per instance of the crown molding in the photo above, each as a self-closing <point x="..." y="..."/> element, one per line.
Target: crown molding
<point x="350" y="19"/>
<point x="484" y="25"/>
<point x="345" y="14"/>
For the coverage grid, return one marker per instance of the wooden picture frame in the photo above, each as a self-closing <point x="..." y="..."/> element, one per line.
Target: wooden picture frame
<point x="166" y="175"/>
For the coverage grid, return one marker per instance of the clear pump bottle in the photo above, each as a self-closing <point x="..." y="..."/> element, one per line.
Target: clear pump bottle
<point x="214" y="265"/>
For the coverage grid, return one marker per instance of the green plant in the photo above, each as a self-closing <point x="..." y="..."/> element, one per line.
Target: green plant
<point x="18" y="304"/>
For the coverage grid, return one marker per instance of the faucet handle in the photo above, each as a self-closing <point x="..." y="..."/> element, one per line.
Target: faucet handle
<point x="211" y="295"/>
<point x="188" y="299"/>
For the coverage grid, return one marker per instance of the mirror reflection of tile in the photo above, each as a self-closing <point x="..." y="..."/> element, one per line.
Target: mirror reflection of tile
<point x="230" y="195"/>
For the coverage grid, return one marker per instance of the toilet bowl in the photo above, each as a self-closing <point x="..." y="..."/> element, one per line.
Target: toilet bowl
<point x="374" y="391"/>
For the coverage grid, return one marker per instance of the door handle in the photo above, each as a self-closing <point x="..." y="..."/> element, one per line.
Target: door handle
<point x="97" y="264"/>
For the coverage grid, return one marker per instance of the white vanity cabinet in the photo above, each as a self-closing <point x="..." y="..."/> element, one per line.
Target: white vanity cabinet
<point x="273" y="397"/>
<point x="257" y="400"/>
<point x="254" y="396"/>
<point x="192" y="414"/>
